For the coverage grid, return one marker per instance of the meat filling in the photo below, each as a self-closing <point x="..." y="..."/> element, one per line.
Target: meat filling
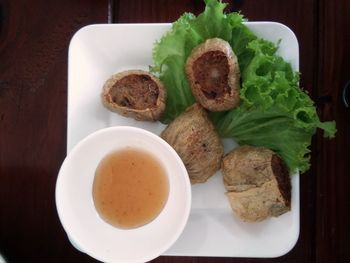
<point x="280" y="170"/>
<point x="135" y="92"/>
<point x="211" y="73"/>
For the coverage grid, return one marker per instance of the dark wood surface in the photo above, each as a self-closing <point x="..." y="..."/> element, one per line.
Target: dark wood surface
<point x="34" y="39"/>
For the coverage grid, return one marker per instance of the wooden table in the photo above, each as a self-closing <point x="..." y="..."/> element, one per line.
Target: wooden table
<point x="34" y="38"/>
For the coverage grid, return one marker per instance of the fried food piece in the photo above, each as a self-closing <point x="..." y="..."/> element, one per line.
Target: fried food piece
<point x="135" y="93"/>
<point x="257" y="183"/>
<point x="213" y="72"/>
<point x="194" y="138"/>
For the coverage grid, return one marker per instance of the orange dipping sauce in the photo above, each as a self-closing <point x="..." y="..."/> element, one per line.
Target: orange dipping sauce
<point x="130" y="188"/>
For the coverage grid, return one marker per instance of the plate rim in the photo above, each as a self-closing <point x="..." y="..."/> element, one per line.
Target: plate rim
<point x="294" y="241"/>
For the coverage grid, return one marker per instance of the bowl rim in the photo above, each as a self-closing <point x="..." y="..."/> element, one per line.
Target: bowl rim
<point x="147" y="136"/>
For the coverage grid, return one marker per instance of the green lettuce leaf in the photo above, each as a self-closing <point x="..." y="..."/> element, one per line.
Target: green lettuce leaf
<point x="171" y="51"/>
<point x="274" y="111"/>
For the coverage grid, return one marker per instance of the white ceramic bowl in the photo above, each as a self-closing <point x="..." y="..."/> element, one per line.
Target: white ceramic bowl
<point x="80" y="219"/>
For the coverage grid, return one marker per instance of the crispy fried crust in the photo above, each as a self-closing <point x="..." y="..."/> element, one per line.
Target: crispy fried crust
<point x="214" y="76"/>
<point x="136" y="94"/>
<point x="194" y="138"/>
<point x="257" y="183"/>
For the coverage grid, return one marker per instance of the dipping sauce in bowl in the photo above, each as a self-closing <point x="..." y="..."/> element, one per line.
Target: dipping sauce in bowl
<point x="123" y="195"/>
<point x="130" y="188"/>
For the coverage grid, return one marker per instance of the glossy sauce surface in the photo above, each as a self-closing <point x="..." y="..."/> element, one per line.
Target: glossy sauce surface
<point x="130" y="188"/>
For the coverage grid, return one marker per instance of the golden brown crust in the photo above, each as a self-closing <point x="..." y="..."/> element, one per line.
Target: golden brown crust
<point x="257" y="183"/>
<point x="220" y="101"/>
<point x="149" y="111"/>
<point x="194" y="138"/>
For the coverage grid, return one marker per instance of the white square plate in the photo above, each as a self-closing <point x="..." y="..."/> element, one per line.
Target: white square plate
<point x="98" y="51"/>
